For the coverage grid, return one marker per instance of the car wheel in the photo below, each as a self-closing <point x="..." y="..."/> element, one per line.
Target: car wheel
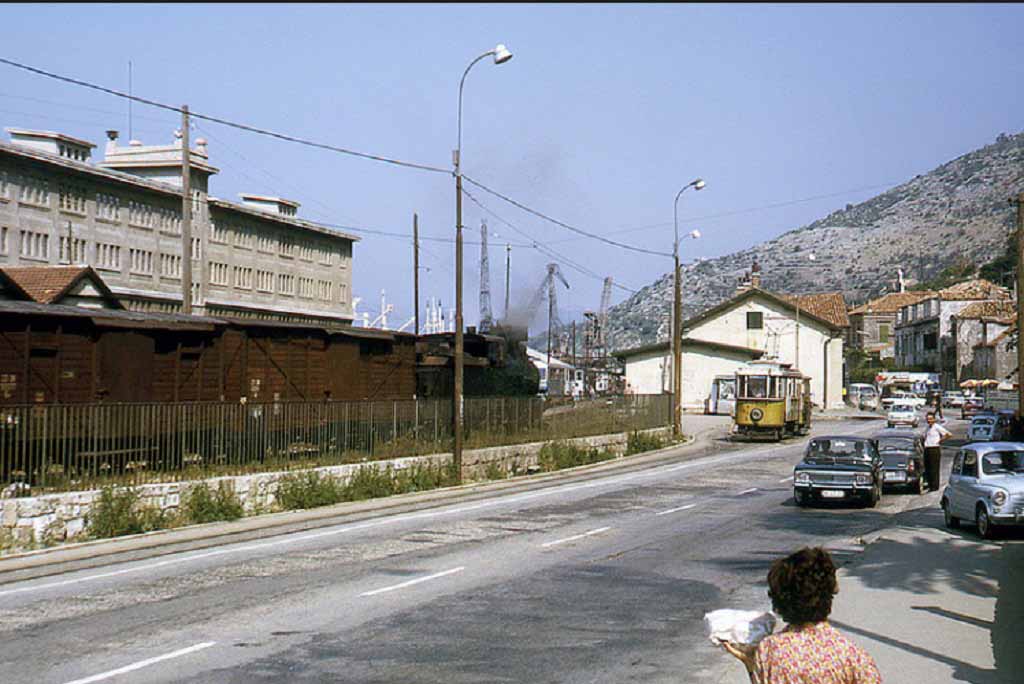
<point x="952" y="522"/>
<point x="985" y="527"/>
<point x="803" y="499"/>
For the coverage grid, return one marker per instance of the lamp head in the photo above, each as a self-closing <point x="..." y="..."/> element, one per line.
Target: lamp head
<point x="501" y="54"/>
<point x="698" y="184"/>
<point x="695" y="234"/>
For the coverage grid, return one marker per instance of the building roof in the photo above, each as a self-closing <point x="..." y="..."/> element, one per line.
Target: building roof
<point x="979" y="288"/>
<point x="1001" y="310"/>
<point x="51" y="135"/>
<point x="892" y="302"/>
<point x="690" y="342"/>
<point x="48" y="284"/>
<point x="830" y="306"/>
<point x="752" y="292"/>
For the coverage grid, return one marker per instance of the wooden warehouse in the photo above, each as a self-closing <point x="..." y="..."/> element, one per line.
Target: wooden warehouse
<point x="52" y="353"/>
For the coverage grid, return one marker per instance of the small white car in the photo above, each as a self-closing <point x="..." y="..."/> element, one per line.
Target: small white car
<point x="988" y="427"/>
<point x="986" y="485"/>
<point x="903" y="414"/>
<point x="953" y="399"/>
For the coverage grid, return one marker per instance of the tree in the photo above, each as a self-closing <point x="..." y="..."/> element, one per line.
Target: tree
<point x="1003" y="269"/>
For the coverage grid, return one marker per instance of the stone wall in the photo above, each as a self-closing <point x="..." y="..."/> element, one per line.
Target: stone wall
<point x="30" y="522"/>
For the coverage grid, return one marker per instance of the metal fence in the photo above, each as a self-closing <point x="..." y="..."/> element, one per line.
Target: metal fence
<point x="69" y="447"/>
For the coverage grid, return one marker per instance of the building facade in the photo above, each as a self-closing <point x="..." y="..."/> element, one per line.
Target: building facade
<point x="974" y="330"/>
<point x="873" y="325"/>
<point x="122" y="217"/>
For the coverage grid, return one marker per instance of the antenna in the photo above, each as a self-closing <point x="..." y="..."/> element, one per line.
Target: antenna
<point x="130" y="136"/>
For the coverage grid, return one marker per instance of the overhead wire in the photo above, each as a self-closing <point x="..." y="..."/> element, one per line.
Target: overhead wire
<point x="224" y="122"/>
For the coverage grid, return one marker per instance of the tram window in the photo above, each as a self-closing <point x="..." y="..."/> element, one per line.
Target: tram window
<point x="757" y="386"/>
<point x="774" y="387"/>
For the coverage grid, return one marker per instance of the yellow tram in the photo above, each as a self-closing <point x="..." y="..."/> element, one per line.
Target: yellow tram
<point x="772" y="400"/>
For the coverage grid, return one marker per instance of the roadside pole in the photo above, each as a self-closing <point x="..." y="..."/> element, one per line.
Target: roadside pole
<point x="186" y="216"/>
<point x="1019" y="201"/>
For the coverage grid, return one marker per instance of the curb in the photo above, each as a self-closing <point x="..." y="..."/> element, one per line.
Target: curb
<point x="101" y="552"/>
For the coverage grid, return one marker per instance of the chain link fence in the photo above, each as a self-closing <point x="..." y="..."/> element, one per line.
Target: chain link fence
<point x="55" y="447"/>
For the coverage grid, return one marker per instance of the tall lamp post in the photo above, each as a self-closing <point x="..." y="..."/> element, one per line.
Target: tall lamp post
<point x="501" y="55"/>
<point x="677" y="316"/>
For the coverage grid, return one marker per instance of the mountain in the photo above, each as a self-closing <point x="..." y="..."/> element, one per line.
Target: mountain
<point x="955" y="212"/>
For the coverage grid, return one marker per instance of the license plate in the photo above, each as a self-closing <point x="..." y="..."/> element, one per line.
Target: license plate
<point x="895" y="477"/>
<point x="832" y="493"/>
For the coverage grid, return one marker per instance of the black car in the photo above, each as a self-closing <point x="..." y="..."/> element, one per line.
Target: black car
<point x="839" y="469"/>
<point x="902" y="453"/>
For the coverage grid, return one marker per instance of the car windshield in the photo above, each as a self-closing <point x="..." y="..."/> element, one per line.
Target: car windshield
<point x="983" y="422"/>
<point x="895" y="444"/>
<point x="836" y="448"/>
<point x="998" y="462"/>
<point x="903" y="407"/>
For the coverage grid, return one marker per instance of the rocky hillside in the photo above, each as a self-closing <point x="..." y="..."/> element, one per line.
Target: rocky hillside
<point x="956" y="211"/>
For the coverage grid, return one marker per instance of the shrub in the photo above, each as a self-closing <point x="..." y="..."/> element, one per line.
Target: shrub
<point x="640" y="442"/>
<point x="117" y="512"/>
<point x="201" y="505"/>
<point x="558" y="455"/>
<point x="370" y="482"/>
<point x="308" y="490"/>
<point x="493" y="471"/>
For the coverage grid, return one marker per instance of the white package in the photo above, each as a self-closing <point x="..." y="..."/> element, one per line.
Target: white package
<point x="738" y="626"/>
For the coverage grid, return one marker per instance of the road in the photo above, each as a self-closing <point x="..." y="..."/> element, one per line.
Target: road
<point x="596" y="578"/>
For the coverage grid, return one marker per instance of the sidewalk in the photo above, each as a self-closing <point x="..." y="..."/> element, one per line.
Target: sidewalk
<point x="933" y="605"/>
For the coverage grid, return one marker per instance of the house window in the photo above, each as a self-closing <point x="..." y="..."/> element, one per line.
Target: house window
<point x="243" y="277"/>
<point x="244" y="238"/>
<point x="265" y="281"/>
<point x="108" y="257"/>
<point x="141" y="261"/>
<point x="883" y="333"/>
<point x="931" y="342"/>
<point x="108" y="207"/>
<point x="218" y="232"/>
<point x="324" y="287"/>
<point x="286" y="247"/>
<point x="140" y="214"/>
<point x="169" y="220"/>
<point x="218" y="273"/>
<point x="306" y="287"/>
<point x="72" y="198"/>
<point x="286" y="284"/>
<point x="35" y="245"/>
<point x="72" y="250"/>
<point x="266" y="243"/>
<point x="343" y="293"/>
<point x="34" y="191"/>
<point x="170" y="265"/>
<point x="755" y="320"/>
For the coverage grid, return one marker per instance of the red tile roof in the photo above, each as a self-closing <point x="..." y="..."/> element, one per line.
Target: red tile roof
<point x="829" y="306"/>
<point x="47" y="284"/>
<point x="892" y="302"/>
<point x="1002" y="310"/>
<point x="974" y="289"/>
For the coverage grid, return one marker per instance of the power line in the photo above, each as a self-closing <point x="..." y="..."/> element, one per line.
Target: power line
<point x="574" y="229"/>
<point x="224" y="122"/>
<point x="75" y="106"/>
<point x="543" y="249"/>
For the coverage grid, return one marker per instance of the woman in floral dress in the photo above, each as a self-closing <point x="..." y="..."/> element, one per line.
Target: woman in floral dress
<point x="809" y="650"/>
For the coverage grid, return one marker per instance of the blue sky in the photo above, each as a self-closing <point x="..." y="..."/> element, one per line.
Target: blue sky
<point x="602" y="115"/>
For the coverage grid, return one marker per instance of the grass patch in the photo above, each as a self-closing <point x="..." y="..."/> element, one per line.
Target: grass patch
<point x="640" y="442"/>
<point x="204" y="505"/>
<point x="559" y="455"/>
<point x="314" y="489"/>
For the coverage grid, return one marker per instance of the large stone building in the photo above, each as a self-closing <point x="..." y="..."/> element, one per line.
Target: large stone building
<point x="873" y="325"/>
<point x="122" y="217"/>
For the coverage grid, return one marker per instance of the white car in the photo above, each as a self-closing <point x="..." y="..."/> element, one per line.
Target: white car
<point x="903" y="414"/>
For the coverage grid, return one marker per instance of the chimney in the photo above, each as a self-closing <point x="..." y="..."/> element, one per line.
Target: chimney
<point x="743" y="283"/>
<point x="755" y="275"/>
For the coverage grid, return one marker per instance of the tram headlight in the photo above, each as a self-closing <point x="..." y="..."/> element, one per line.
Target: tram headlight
<point x="756" y="414"/>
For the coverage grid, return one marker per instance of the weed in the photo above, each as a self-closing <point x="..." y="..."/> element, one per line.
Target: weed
<point x="201" y="505"/>
<point x="308" y="490"/>
<point x="116" y="512"/>
<point x="558" y="455"/>
<point x="493" y="471"/>
<point x="370" y="482"/>
<point x="7" y="541"/>
<point x="641" y="442"/>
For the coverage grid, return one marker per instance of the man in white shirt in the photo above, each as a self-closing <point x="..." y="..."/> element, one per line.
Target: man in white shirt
<point x="934" y="436"/>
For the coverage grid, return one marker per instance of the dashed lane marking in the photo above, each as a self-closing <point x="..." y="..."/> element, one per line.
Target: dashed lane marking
<point x="676" y="510"/>
<point x="144" y="663"/>
<point x="418" y="580"/>
<point x="599" y="530"/>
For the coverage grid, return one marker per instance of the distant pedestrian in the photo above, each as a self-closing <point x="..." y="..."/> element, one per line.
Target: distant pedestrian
<point x="934" y="436"/>
<point x="937" y="407"/>
<point x="809" y="650"/>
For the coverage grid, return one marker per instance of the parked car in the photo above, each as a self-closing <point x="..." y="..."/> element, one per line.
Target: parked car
<point x="986" y="485"/>
<point x="989" y="427"/>
<point x="902" y="453"/>
<point x="902" y="414"/>
<point x="971" y="407"/>
<point x="952" y="399"/>
<point x="863" y="396"/>
<point x="838" y="468"/>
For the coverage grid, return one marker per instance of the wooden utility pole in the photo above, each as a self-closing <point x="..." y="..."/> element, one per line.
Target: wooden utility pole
<point x="1019" y="201"/>
<point x="508" y="275"/>
<point x="416" y="271"/>
<point x="186" y="216"/>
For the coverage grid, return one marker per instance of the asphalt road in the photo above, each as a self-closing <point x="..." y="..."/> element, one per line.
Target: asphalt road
<point x="592" y="579"/>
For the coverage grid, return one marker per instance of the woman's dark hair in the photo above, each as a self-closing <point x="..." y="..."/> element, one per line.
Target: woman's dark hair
<point x="801" y="586"/>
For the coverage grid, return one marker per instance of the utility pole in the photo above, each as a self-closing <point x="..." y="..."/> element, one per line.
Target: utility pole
<point x="459" y="341"/>
<point x="416" y="270"/>
<point x="796" y="361"/>
<point x="508" y="273"/>
<point x="186" y="216"/>
<point x="1020" y="303"/>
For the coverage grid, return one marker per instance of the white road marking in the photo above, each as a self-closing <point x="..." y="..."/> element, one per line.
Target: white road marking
<point x="143" y="663"/>
<point x="786" y="479"/>
<point x="747" y="491"/>
<point x="676" y="510"/>
<point x="411" y="582"/>
<point x="599" y="530"/>
<point x="391" y="520"/>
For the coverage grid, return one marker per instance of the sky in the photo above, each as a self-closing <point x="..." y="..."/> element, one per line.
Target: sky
<point x="603" y="114"/>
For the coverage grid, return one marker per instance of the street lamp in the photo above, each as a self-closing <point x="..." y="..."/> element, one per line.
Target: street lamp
<point x="501" y="55"/>
<point x="677" y="316"/>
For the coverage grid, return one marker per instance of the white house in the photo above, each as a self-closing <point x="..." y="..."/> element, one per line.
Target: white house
<point x="559" y="377"/>
<point x="806" y="331"/>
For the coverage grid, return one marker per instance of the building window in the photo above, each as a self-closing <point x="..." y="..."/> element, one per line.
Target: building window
<point x="170" y="266"/>
<point x="140" y="214"/>
<point x="141" y="261"/>
<point x="265" y="281"/>
<point x="244" y="238"/>
<point x="266" y="243"/>
<point x="883" y="333"/>
<point x="108" y="257"/>
<point x="218" y="273"/>
<point x="324" y="255"/>
<point x="286" y="247"/>
<point x="218" y="232"/>
<point x="285" y="284"/>
<point x="35" y="245"/>
<point x="197" y="248"/>
<point x="931" y="341"/>
<point x="343" y="293"/>
<point x="755" y="320"/>
<point x="324" y="290"/>
<point x="3" y="239"/>
<point x="34" y="190"/>
<point x="168" y="220"/>
<point x="72" y="250"/>
<point x="108" y="207"/>
<point x="243" y="277"/>
<point x="4" y="188"/>
<point x="71" y="198"/>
